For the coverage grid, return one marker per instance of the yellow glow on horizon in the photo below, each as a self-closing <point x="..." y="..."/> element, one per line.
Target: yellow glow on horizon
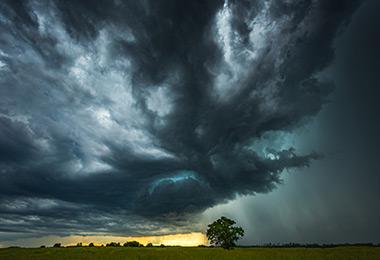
<point x="187" y="239"/>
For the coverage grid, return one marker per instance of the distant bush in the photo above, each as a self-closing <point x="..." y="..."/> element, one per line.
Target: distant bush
<point x="91" y="245"/>
<point x="149" y="245"/>
<point x="162" y="245"/>
<point x="202" y="246"/>
<point x="132" y="244"/>
<point x="79" y="244"/>
<point x="43" y="246"/>
<point x="114" y="244"/>
<point x="57" y="245"/>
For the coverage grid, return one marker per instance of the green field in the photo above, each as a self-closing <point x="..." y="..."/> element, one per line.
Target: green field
<point x="354" y="252"/>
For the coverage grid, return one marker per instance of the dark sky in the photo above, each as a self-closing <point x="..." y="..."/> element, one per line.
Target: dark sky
<point x="146" y="117"/>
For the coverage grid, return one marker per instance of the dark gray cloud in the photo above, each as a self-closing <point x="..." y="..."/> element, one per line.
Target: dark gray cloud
<point x="147" y="110"/>
<point x="335" y="200"/>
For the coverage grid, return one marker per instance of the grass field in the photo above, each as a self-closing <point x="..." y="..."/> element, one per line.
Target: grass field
<point x="355" y="252"/>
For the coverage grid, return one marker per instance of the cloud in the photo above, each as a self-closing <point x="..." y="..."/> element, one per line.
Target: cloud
<point x="146" y="111"/>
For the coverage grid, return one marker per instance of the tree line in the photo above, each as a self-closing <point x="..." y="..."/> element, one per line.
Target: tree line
<point x="111" y="244"/>
<point x="222" y="232"/>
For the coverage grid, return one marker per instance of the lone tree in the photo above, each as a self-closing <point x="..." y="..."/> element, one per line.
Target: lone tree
<point x="222" y="232"/>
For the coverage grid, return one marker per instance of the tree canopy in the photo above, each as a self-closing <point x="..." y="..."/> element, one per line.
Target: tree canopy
<point x="224" y="233"/>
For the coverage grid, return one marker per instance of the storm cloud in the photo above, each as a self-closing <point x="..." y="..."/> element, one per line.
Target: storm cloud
<point x="129" y="116"/>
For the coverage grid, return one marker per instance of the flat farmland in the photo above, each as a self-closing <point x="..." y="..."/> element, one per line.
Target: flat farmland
<point x="168" y="253"/>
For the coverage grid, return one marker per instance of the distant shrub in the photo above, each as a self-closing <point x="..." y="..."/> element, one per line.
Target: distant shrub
<point x="132" y="244"/>
<point x="57" y="245"/>
<point x="149" y="245"/>
<point x="91" y="245"/>
<point x="43" y="246"/>
<point x="79" y="244"/>
<point x="202" y="246"/>
<point x="162" y="245"/>
<point x="113" y="244"/>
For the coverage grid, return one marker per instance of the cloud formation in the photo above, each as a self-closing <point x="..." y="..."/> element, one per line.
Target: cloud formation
<point x="146" y="111"/>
